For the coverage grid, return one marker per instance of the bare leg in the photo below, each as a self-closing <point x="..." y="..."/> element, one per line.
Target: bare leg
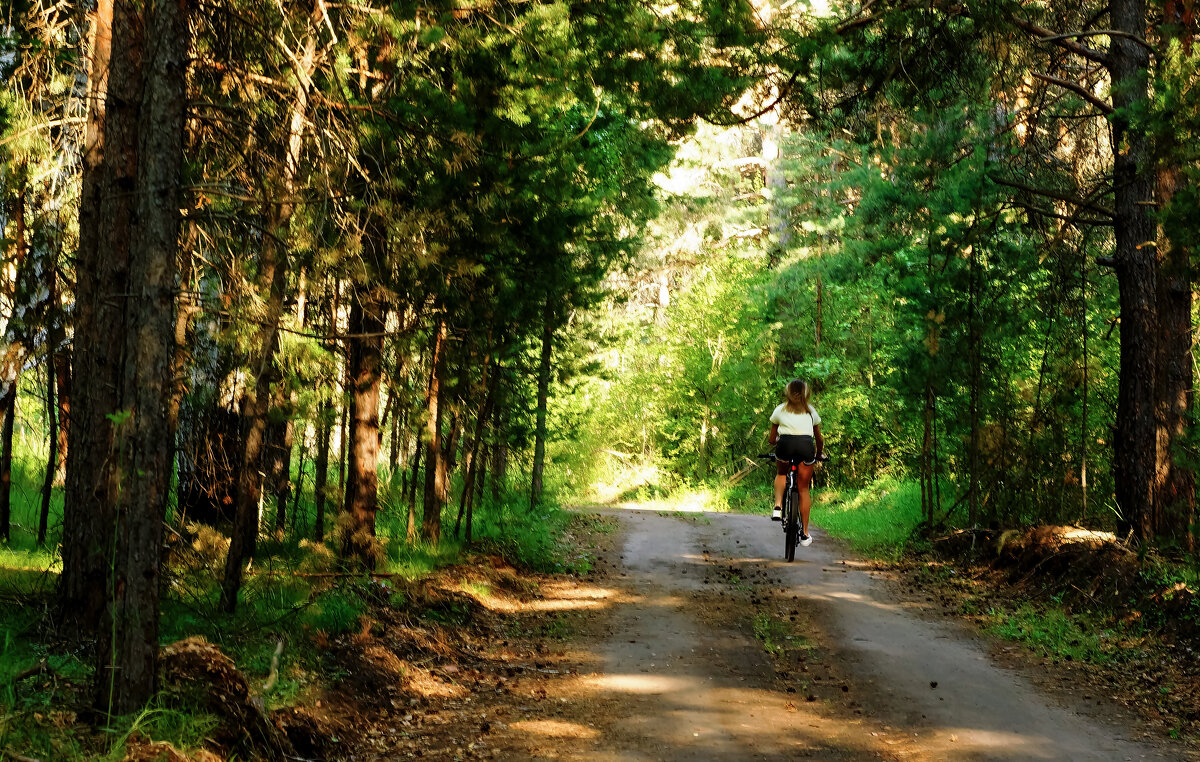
<point x="805" y="507"/>
<point x="780" y="483"/>
<point x="804" y="476"/>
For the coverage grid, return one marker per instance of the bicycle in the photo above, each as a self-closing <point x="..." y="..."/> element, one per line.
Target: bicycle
<point x="791" y="505"/>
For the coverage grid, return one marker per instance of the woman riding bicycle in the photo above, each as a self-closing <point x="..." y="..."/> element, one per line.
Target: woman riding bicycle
<point x="796" y="430"/>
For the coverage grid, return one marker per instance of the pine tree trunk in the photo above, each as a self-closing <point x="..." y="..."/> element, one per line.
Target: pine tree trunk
<point x="279" y="453"/>
<point x="321" y="475"/>
<point x="539" y="445"/>
<point x="499" y="458"/>
<point x="62" y="377"/>
<point x="102" y="262"/>
<point x="141" y="460"/>
<point x="479" y="453"/>
<point x="362" y="481"/>
<point x="1175" y="483"/>
<point x="473" y="448"/>
<point x="9" y="403"/>
<point x="272" y="283"/>
<point x="51" y="451"/>
<point x="1135" y="446"/>
<point x="411" y="533"/>
<point x="975" y="349"/>
<point x="435" y="486"/>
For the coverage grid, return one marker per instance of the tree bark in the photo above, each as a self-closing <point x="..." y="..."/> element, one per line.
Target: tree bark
<point x="272" y="282"/>
<point x="51" y="450"/>
<point x="473" y="448"/>
<point x="411" y="533"/>
<point x="1174" y="483"/>
<point x="102" y="262"/>
<point x="9" y="404"/>
<point x="539" y="446"/>
<point x="1135" y="445"/>
<point x="62" y="377"/>
<point x="321" y="475"/>
<point x="137" y="472"/>
<point x="435" y="485"/>
<point x="362" y="478"/>
<point x="478" y="454"/>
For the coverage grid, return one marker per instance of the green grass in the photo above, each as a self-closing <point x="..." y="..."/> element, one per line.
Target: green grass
<point x="1052" y="632"/>
<point x="273" y="606"/>
<point x="877" y="520"/>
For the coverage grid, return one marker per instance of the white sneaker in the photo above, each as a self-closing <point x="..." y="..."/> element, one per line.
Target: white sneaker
<point x="806" y="540"/>
<point x="777" y="514"/>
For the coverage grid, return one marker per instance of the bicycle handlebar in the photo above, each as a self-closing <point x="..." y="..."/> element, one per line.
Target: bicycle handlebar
<point x="822" y="458"/>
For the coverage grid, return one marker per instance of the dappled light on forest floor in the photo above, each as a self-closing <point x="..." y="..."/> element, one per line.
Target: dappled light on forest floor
<point x="555" y="729"/>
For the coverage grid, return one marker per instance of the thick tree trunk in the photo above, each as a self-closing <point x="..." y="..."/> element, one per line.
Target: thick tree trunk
<point x="1135" y="445"/>
<point x="362" y="479"/>
<point x="539" y="445"/>
<point x="1175" y="483"/>
<point x="102" y="263"/>
<point x="435" y="485"/>
<point x="138" y="471"/>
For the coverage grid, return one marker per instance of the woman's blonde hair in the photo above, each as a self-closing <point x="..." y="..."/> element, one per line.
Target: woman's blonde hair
<point x="797" y="393"/>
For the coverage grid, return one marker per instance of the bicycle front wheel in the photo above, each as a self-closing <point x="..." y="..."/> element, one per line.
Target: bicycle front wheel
<point x="791" y="526"/>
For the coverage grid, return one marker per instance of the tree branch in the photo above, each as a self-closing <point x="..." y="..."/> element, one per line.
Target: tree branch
<point x="1076" y="88"/>
<point x="1052" y="194"/>
<point x="1045" y="35"/>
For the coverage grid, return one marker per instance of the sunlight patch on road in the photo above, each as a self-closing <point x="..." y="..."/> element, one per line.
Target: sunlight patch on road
<point x="1013" y="745"/>
<point x="642" y="684"/>
<point x="555" y="728"/>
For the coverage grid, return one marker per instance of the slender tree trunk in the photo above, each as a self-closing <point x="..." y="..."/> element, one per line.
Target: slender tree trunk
<point x="435" y="487"/>
<point x="478" y="459"/>
<point x="321" y="474"/>
<point x="473" y="447"/>
<point x="62" y="377"/>
<point x="820" y="311"/>
<point x="362" y="483"/>
<point x="976" y="363"/>
<point x="499" y="458"/>
<point x="280" y="434"/>
<point x="9" y="404"/>
<point x="539" y="445"/>
<point x="1083" y="424"/>
<point x="1135" y="445"/>
<point x="272" y="282"/>
<point x="411" y="534"/>
<point x="51" y="453"/>
<point x="927" y="460"/>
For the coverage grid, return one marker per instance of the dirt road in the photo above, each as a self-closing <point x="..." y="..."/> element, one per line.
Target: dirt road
<point x="674" y="673"/>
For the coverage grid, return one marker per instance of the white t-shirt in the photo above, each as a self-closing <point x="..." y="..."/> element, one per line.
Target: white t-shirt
<point x="798" y="424"/>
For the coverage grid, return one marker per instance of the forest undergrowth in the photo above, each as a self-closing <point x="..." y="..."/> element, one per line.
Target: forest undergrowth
<point x="278" y="650"/>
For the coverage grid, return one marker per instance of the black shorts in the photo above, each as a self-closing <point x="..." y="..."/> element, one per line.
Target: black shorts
<point x="794" y="449"/>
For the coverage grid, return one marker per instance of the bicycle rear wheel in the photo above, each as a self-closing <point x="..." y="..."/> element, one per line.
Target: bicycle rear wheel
<point x="791" y="525"/>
